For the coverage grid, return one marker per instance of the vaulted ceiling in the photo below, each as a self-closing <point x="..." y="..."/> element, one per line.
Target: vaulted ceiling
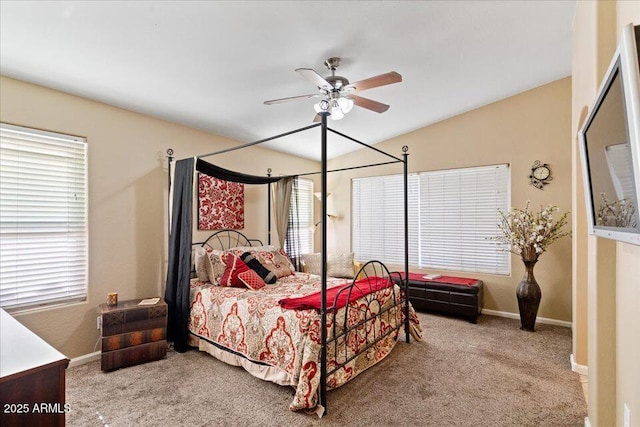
<point x="210" y="65"/>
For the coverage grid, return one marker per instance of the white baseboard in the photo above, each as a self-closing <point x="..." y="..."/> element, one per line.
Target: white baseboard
<point x="517" y="316"/>
<point x="81" y="360"/>
<point x="579" y="369"/>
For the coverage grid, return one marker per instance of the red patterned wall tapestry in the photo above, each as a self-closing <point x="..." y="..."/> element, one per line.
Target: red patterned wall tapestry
<point x="220" y="204"/>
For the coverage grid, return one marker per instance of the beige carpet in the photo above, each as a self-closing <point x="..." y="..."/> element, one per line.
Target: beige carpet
<point x="489" y="374"/>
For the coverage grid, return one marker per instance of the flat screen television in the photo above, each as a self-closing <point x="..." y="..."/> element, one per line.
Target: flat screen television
<point x="610" y="147"/>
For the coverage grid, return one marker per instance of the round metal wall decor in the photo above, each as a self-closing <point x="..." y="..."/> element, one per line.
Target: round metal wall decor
<point x="540" y="174"/>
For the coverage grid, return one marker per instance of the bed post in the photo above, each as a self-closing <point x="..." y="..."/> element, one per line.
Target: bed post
<point x="405" y="156"/>
<point x="269" y="209"/>
<point x="323" y="329"/>
<point x="169" y="161"/>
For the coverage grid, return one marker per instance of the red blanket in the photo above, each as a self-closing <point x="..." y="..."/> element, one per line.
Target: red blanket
<point x="451" y="280"/>
<point x="361" y="288"/>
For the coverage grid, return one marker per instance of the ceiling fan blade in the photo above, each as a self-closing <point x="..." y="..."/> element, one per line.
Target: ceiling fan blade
<point x="369" y="104"/>
<point x="315" y="78"/>
<point x="371" y="82"/>
<point x="291" y="98"/>
<point x="317" y="118"/>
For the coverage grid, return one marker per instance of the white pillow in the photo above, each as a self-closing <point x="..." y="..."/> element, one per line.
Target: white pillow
<point x="312" y="263"/>
<point x="340" y="265"/>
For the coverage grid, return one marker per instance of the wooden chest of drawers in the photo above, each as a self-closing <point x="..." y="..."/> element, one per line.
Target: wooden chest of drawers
<point x="32" y="378"/>
<point x="132" y="334"/>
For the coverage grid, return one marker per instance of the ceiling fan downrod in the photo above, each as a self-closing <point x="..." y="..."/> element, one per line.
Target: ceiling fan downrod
<point x="338" y="82"/>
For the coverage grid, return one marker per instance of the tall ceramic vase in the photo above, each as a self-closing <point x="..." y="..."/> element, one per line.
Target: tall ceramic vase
<point x="529" y="296"/>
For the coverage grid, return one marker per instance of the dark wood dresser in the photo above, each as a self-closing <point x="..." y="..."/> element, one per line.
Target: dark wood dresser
<point x="32" y="377"/>
<point x="132" y="334"/>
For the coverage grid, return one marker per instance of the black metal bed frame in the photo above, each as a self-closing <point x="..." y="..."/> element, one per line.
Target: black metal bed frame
<point x="341" y="337"/>
<point x="228" y="238"/>
<point x="369" y="314"/>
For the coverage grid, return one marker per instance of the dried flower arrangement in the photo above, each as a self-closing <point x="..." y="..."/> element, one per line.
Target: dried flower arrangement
<point x="530" y="233"/>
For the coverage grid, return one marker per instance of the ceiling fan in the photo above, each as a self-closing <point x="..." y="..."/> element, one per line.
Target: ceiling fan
<point x="337" y="94"/>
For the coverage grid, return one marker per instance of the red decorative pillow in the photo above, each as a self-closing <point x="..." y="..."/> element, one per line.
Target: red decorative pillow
<point x="235" y="266"/>
<point x="251" y="280"/>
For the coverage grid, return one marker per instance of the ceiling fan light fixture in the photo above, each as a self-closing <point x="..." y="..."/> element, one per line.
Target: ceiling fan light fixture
<point x="336" y="111"/>
<point x="346" y="104"/>
<point x="321" y="106"/>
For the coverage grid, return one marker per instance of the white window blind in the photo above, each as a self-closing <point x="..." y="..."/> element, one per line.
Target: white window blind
<point x="621" y="170"/>
<point x="378" y="218"/>
<point x="459" y="211"/>
<point x="305" y="215"/>
<point x="451" y="214"/>
<point x="43" y="218"/>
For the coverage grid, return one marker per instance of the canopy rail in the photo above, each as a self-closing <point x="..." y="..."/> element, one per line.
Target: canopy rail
<point x="352" y="168"/>
<point x="364" y="144"/>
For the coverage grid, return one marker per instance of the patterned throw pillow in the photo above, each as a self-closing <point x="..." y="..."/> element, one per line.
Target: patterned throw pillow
<point x="277" y="262"/>
<point x="200" y="261"/>
<point x="251" y="280"/>
<point x="235" y="266"/>
<point x="267" y="275"/>
<point x="340" y="265"/>
<point x="215" y="265"/>
<point x="264" y="248"/>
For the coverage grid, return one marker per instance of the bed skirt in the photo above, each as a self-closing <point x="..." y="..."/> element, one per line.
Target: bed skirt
<point x="257" y="369"/>
<point x="276" y="375"/>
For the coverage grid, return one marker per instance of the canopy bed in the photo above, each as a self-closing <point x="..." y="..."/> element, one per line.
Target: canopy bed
<point x="307" y="331"/>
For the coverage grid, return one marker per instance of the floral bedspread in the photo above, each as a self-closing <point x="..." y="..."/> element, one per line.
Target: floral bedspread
<point x="253" y="324"/>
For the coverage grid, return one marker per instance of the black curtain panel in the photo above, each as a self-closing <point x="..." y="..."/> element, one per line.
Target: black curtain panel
<point x="179" y="268"/>
<point x="227" y="175"/>
<point x="292" y="239"/>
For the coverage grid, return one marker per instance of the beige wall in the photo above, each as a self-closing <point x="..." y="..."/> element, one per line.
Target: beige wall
<point x="534" y="125"/>
<point x="606" y="273"/>
<point x="583" y="89"/>
<point x="127" y="197"/>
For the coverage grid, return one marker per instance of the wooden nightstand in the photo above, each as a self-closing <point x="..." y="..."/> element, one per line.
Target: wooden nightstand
<point x="132" y="334"/>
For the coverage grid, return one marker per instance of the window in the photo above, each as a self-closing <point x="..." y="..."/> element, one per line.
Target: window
<point x="378" y="219"/>
<point x="304" y="229"/>
<point x="43" y="218"/>
<point x="305" y="215"/>
<point x="451" y="214"/>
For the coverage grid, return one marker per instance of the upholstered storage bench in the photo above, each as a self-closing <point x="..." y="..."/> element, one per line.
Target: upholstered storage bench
<point x="448" y="295"/>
